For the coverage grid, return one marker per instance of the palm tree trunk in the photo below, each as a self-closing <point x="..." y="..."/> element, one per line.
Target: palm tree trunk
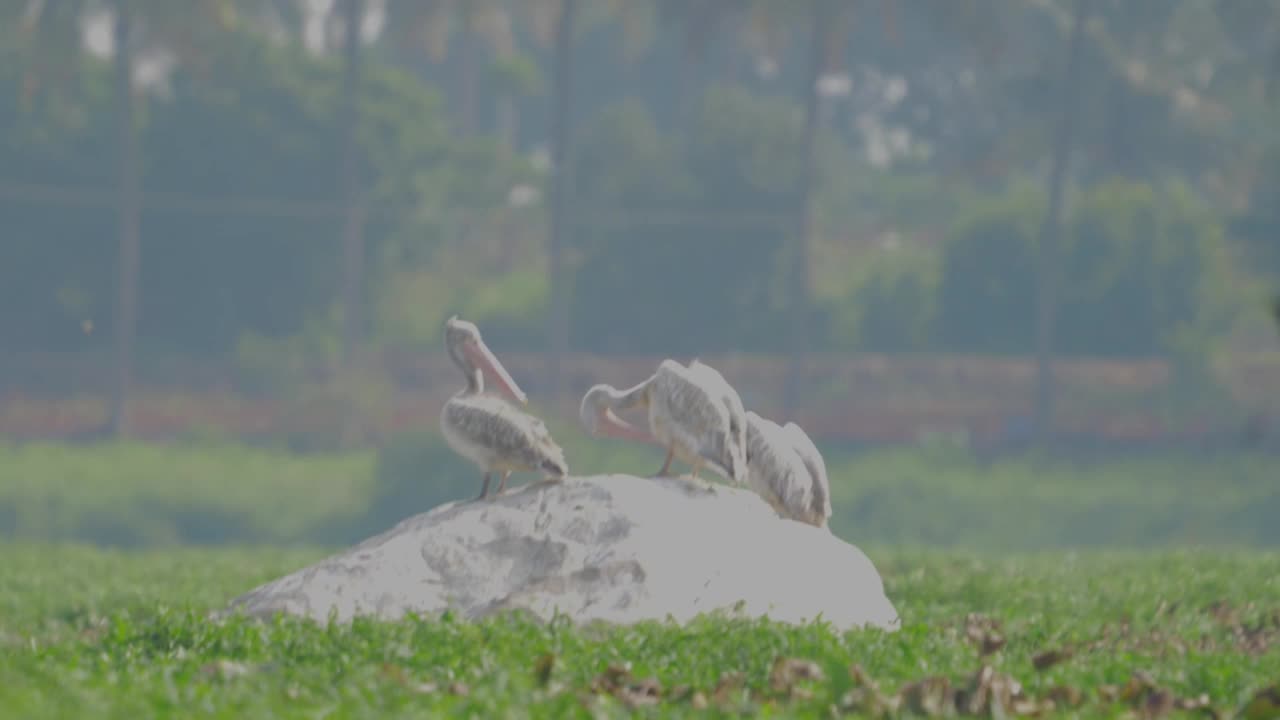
<point x="129" y="209"/>
<point x="353" y="231"/>
<point x="507" y="122"/>
<point x="799" y="286"/>
<point x="1046" y="307"/>
<point x="467" y="68"/>
<point x="562" y="123"/>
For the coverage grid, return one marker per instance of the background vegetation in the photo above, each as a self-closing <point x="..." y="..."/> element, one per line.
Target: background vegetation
<point x="95" y="633"/>
<point x="138" y="496"/>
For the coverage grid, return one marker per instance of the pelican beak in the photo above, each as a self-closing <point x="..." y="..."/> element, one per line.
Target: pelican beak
<point x="494" y="371"/>
<point x="611" y="424"/>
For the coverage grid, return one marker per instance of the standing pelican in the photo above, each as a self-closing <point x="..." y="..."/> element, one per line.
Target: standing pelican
<point x="489" y="430"/>
<point x="693" y="420"/>
<point x="787" y="471"/>
<point x="714" y="382"/>
<point x="821" y="507"/>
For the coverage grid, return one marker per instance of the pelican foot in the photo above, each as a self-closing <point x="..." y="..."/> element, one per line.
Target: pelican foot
<point x="484" y="489"/>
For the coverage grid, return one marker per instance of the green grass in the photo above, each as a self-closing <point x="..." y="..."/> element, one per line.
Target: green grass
<point x="138" y="495"/>
<point x="93" y="633"/>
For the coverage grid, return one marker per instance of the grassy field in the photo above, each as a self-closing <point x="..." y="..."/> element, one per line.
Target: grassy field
<point x="94" y="633"/>
<point x="138" y="495"/>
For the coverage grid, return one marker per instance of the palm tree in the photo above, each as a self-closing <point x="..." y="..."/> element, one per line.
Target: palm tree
<point x="428" y="25"/>
<point x="137" y="26"/>
<point x="561" y="134"/>
<point x="57" y="23"/>
<point x="513" y="76"/>
<point x="799" y="300"/>
<point x="1046" y="304"/>
<point x="129" y="217"/>
<point x="698" y="21"/>
<point x="827" y="25"/>
<point x="352" y="14"/>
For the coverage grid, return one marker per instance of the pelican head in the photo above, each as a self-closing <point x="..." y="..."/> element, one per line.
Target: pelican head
<point x="598" y="418"/>
<point x="468" y="351"/>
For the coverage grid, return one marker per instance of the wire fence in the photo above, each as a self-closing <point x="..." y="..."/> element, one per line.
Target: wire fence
<point x="850" y="397"/>
<point x="64" y="197"/>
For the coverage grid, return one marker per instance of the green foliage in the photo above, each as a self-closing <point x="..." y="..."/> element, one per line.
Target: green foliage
<point x="1141" y="272"/>
<point x="415" y="471"/>
<point x="986" y="294"/>
<point x="90" y="633"/>
<point x="950" y="499"/>
<point x="714" y="285"/>
<point x="1174" y="90"/>
<point x="516" y="75"/>
<point x="1258" y="226"/>
<point x="52" y="133"/>
<point x="891" y="303"/>
<point x="138" y="495"/>
<point x="142" y="495"/>
<point x="263" y="126"/>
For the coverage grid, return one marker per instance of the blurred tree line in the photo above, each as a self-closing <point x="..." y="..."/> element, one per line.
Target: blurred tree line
<point x="285" y="184"/>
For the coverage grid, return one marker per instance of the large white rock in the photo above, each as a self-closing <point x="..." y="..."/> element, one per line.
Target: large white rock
<point x="616" y="548"/>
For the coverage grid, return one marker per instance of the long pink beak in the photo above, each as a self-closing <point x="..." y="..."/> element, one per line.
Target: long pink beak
<point x="614" y="426"/>
<point x="494" y="371"/>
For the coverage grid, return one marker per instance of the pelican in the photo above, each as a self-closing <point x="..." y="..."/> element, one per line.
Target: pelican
<point x="787" y="471"/>
<point x="689" y="416"/>
<point x="821" y="507"/>
<point x="714" y="382"/>
<point x="490" y="430"/>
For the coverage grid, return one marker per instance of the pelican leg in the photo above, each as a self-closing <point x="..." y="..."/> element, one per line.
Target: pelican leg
<point x="666" y="466"/>
<point x="485" y="490"/>
<point x="697" y="468"/>
<point x="503" y="482"/>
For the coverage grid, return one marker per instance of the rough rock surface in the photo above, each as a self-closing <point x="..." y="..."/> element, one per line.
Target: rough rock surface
<point x="616" y="548"/>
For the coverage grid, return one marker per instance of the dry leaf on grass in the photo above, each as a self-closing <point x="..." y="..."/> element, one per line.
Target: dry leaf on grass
<point x="930" y="696"/>
<point x="1263" y="705"/>
<point x="459" y="688"/>
<point x="1065" y="696"/>
<point x="617" y="681"/>
<point x="984" y="633"/>
<point x="788" y="672"/>
<point x="1049" y="658"/>
<point x="730" y="684"/>
<point x="542" y="669"/>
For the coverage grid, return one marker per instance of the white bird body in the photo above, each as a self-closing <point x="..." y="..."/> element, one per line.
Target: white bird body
<point x="812" y="457"/>
<point x="498" y="437"/>
<point x="490" y="431"/>
<point x="721" y="390"/>
<point x="787" y="471"/>
<point x="690" y="418"/>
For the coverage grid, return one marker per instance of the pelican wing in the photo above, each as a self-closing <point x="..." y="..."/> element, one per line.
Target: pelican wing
<point x="776" y="471"/>
<point x="498" y="434"/>
<point x="731" y="450"/>
<point x="817" y="467"/>
<point x="719" y="387"/>
<point x="695" y="414"/>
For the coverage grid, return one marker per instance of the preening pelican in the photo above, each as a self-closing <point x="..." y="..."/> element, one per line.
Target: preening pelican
<point x="714" y="382"/>
<point x="688" y="416"/>
<point x="489" y="430"/>
<point x="821" y="507"/>
<point x="786" y="469"/>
